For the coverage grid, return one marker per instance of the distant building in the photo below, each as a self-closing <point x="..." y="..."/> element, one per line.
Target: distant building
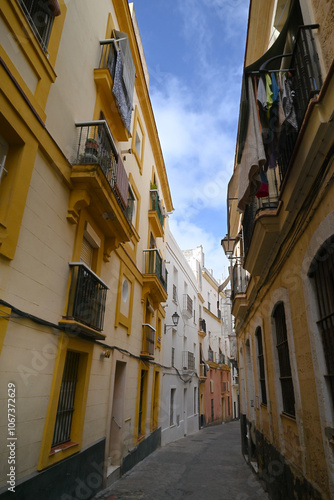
<point x="215" y="390"/>
<point x="179" y="408"/>
<point x="280" y="242"/>
<point x="84" y="196"/>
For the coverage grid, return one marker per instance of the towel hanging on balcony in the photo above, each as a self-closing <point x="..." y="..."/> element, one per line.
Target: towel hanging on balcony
<point x="263" y="192"/>
<point x="253" y="156"/>
<point x="119" y="90"/>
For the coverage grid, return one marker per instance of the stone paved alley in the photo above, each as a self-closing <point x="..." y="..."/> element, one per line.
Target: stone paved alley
<point x="207" y="465"/>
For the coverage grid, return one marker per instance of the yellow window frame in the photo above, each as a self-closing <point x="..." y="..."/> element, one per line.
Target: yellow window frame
<point x="48" y="456"/>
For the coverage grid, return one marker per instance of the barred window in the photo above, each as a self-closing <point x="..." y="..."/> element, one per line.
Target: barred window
<point x="40" y="15"/>
<point x="260" y="357"/>
<point x="62" y="430"/>
<point x="322" y="271"/>
<point x="284" y="360"/>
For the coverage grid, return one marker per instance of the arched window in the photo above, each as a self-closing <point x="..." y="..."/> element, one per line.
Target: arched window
<point x="322" y="272"/>
<point x="282" y="346"/>
<point x="260" y="357"/>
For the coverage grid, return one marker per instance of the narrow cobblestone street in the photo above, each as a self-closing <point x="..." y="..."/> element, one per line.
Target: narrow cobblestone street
<point x="207" y="465"/>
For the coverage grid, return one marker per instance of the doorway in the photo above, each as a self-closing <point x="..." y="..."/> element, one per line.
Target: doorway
<point x="117" y="418"/>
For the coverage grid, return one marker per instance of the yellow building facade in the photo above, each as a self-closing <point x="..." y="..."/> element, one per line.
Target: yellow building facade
<point x="83" y="199"/>
<point x="280" y="244"/>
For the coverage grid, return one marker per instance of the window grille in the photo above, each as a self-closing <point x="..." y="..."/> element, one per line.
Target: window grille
<point x="284" y="360"/>
<point x="40" y="16"/>
<point x="174" y="293"/>
<point x="260" y="357"/>
<point x="173" y="356"/>
<point x="322" y="271"/>
<point x="62" y="430"/>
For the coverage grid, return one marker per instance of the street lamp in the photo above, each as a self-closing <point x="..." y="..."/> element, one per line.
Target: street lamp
<point x="228" y="245"/>
<point x="175" y="318"/>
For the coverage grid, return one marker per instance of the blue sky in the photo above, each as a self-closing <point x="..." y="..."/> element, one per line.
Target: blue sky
<point x="194" y="51"/>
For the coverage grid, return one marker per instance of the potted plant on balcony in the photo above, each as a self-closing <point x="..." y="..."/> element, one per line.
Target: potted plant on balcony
<point x="91" y="150"/>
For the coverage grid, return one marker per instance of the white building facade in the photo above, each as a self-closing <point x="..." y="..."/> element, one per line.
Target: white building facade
<point x="179" y="410"/>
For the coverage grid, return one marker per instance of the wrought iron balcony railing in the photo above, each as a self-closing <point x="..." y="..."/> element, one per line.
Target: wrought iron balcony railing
<point x="258" y="205"/>
<point x="87" y="297"/>
<point x="202" y="370"/>
<point x="155" y="205"/>
<point x="188" y="360"/>
<point x="240" y="278"/>
<point x="306" y="82"/>
<point x="116" y="56"/>
<point x="148" y="341"/>
<point x="154" y="264"/>
<point x="202" y="325"/>
<point x="95" y="145"/>
<point x="221" y="358"/>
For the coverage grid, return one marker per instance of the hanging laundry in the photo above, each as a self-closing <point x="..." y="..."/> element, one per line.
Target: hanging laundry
<point x="261" y="94"/>
<point x="253" y="157"/>
<point x="264" y="188"/>
<point x="269" y="92"/>
<point x="275" y="89"/>
<point x="287" y="102"/>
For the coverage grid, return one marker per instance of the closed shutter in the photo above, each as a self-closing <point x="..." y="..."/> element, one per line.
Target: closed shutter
<point x="86" y="253"/>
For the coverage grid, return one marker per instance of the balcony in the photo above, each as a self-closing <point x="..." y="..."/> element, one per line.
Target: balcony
<point x="155" y="276"/>
<point x="202" y="371"/>
<point x="260" y="222"/>
<point x="202" y="327"/>
<point x="221" y="358"/>
<point x="187" y="308"/>
<point x="114" y="80"/>
<point x="100" y="181"/>
<point x="147" y="350"/>
<point x="155" y="214"/>
<point x="307" y="82"/>
<point x="188" y="359"/>
<point x="86" y="302"/>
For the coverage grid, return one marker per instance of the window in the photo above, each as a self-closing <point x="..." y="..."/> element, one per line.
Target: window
<point x="62" y="436"/>
<point x="174" y="294"/>
<point x="131" y="206"/>
<point x="322" y="271"/>
<point x="171" y="407"/>
<point x="62" y="430"/>
<point x="260" y="357"/>
<point x="40" y="15"/>
<point x="173" y="356"/>
<point x="284" y="360"/>
<point x="138" y="140"/>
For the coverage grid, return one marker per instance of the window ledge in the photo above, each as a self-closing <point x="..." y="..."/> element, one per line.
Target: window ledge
<point x="62" y="447"/>
<point x="288" y="416"/>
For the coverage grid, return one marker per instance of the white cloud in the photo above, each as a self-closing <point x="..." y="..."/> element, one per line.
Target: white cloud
<point x="198" y="152"/>
<point x="190" y="236"/>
